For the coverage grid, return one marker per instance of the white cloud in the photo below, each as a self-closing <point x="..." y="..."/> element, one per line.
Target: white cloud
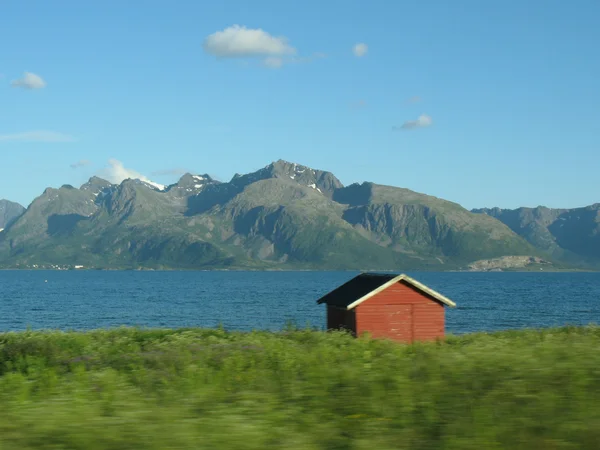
<point x="239" y="41"/>
<point x="29" y="81"/>
<point x="116" y="172"/>
<point x="81" y="163"/>
<point x="36" y="136"/>
<point x="422" y="121"/>
<point x="360" y="49"/>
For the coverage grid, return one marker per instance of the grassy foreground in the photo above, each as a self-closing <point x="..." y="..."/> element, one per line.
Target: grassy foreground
<point x="210" y="389"/>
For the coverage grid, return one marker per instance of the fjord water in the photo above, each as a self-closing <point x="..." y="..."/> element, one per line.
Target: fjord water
<point x="75" y="300"/>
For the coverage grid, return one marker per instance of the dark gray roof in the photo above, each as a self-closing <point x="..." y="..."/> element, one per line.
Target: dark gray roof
<point x="364" y="286"/>
<point x="356" y="288"/>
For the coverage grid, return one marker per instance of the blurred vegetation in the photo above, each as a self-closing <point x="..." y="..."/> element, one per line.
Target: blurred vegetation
<point x="298" y="389"/>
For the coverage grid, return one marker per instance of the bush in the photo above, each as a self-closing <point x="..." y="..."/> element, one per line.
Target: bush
<point x="190" y="388"/>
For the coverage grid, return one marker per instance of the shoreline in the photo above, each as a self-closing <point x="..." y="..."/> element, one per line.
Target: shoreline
<point x="147" y="269"/>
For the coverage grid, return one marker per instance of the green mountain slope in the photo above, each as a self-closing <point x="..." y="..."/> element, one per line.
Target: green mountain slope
<point x="415" y="223"/>
<point x="568" y="235"/>
<point x="9" y="212"/>
<point x="282" y="221"/>
<point x="103" y="225"/>
<point x="284" y="215"/>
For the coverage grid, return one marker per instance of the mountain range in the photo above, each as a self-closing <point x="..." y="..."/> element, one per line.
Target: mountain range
<point x="571" y="236"/>
<point x="284" y="216"/>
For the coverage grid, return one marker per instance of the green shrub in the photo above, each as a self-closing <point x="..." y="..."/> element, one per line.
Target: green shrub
<point x="131" y="388"/>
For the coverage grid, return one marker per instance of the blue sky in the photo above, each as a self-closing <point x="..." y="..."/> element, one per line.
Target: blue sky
<point x="499" y="100"/>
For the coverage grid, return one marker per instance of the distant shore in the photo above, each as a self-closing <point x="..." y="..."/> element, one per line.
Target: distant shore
<point x="165" y="269"/>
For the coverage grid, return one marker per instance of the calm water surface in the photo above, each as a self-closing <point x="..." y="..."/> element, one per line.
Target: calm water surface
<point x="267" y="300"/>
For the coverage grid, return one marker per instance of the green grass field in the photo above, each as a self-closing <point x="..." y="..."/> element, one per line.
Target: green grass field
<point x="210" y="389"/>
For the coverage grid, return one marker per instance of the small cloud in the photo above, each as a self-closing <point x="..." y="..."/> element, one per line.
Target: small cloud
<point x="238" y="41"/>
<point x="360" y="50"/>
<point x="29" y="81"/>
<point x="414" y="99"/>
<point x="116" y="172"/>
<point x="241" y="42"/>
<point x="37" y="136"/>
<point x="168" y="172"/>
<point x="79" y="164"/>
<point x="422" y="121"/>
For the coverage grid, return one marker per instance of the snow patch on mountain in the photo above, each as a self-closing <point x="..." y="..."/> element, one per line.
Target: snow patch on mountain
<point x="160" y="187"/>
<point x="314" y="186"/>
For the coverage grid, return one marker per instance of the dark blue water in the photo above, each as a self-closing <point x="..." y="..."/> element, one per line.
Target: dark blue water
<point x="268" y="300"/>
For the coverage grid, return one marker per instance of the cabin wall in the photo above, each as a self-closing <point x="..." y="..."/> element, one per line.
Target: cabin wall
<point x="341" y="318"/>
<point x="401" y="313"/>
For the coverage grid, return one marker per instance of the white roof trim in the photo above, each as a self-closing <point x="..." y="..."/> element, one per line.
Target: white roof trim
<point x="439" y="297"/>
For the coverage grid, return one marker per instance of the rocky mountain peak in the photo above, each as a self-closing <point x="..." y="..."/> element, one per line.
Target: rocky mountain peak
<point x="319" y="180"/>
<point x="95" y="184"/>
<point x="194" y="181"/>
<point x="190" y="184"/>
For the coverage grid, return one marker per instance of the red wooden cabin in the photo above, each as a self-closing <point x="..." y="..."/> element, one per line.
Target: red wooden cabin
<point x="388" y="306"/>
